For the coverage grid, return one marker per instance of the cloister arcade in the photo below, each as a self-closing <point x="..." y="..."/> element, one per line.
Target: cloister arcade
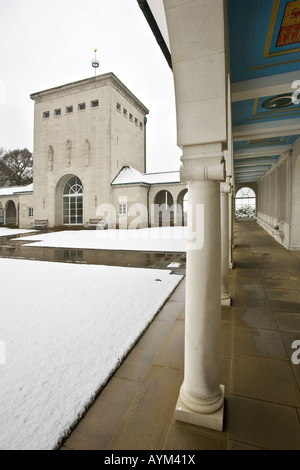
<point x="235" y="70"/>
<point x="168" y="206"/>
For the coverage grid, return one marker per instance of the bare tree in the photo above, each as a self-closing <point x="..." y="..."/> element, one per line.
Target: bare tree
<point x="16" y="167"/>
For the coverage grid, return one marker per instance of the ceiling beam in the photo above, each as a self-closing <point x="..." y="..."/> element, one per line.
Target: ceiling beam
<point x="255" y="163"/>
<point x="247" y="180"/>
<point x="254" y="152"/>
<point x="266" y="130"/>
<point x="256" y="175"/>
<point x="257" y="171"/>
<point x="263" y="87"/>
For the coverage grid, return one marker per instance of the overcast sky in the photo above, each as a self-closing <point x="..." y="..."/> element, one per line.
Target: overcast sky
<point x="44" y="44"/>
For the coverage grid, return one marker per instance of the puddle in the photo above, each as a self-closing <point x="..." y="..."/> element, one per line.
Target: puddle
<point x="140" y="259"/>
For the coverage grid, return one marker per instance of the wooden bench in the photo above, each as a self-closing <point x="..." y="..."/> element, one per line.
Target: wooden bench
<point x="99" y="224"/>
<point x="40" y="224"/>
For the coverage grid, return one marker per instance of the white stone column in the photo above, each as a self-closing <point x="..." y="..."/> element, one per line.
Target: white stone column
<point x="201" y="396"/>
<point x="225" y="294"/>
<point x="200" y="63"/>
<point x="231" y="224"/>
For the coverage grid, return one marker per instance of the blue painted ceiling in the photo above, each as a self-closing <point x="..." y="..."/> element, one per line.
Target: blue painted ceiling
<point x="264" y="38"/>
<point x="253" y="38"/>
<point x="265" y="62"/>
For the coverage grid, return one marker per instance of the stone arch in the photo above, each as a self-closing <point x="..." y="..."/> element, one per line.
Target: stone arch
<point x="11" y="216"/>
<point x="69" y="194"/>
<point x="163" y="209"/>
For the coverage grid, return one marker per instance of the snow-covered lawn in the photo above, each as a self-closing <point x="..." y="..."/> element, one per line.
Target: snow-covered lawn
<point x="64" y="328"/>
<point x="170" y="239"/>
<point x="4" y="231"/>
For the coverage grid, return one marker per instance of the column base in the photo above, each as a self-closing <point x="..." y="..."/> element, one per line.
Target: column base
<point x="210" y="421"/>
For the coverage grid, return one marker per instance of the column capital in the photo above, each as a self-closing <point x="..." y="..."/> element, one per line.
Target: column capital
<point x="202" y="163"/>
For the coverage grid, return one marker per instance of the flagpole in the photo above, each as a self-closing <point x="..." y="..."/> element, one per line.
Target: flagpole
<point x="95" y="62"/>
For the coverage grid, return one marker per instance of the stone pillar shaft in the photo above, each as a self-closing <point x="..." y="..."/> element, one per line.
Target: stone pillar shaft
<point x="225" y="294"/>
<point x="201" y="396"/>
<point x="203" y="315"/>
<point x="231" y="222"/>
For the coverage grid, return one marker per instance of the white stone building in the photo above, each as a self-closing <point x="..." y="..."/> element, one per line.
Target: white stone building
<point x="89" y="162"/>
<point x="84" y="133"/>
<point x="16" y="206"/>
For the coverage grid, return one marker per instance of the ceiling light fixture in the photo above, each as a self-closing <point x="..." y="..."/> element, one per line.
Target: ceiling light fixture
<point x="279" y="102"/>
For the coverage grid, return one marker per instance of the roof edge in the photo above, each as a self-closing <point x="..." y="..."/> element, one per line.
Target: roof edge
<point x="143" y="4"/>
<point x="106" y="78"/>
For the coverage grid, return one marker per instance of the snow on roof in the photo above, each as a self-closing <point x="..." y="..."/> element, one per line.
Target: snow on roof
<point x="129" y="175"/>
<point x="14" y="190"/>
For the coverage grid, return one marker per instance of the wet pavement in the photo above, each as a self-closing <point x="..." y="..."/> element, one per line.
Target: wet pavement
<point x="135" y="411"/>
<point x="13" y="247"/>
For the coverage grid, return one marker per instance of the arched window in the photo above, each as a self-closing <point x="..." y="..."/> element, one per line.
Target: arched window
<point x="245" y="203"/>
<point x="73" y="202"/>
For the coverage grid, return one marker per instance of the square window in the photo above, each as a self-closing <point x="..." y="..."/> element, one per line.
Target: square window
<point x="95" y="103"/>
<point x="81" y="107"/>
<point x="46" y="114"/>
<point x="130" y="117"/>
<point x="136" y="121"/>
<point x="141" y="125"/>
<point x="69" y="109"/>
<point x="125" y="112"/>
<point x="57" y="112"/>
<point x="118" y="107"/>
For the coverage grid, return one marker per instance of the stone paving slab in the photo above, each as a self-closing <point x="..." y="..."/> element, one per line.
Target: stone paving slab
<point x="262" y="385"/>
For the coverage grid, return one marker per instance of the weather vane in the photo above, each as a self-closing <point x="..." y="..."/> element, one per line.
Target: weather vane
<point x="95" y="62"/>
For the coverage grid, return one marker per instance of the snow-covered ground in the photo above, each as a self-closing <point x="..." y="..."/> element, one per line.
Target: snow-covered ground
<point x="172" y="239"/>
<point x="4" y="231"/>
<point x="64" y="328"/>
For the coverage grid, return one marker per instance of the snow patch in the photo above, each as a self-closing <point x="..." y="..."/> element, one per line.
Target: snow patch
<point x="158" y="239"/>
<point x="66" y="328"/>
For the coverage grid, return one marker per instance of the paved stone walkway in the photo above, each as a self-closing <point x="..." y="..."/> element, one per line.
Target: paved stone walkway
<point x="135" y="411"/>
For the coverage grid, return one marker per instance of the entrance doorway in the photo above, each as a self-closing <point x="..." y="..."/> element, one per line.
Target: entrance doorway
<point x="164" y="211"/>
<point x="11" y="213"/>
<point x="73" y="202"/>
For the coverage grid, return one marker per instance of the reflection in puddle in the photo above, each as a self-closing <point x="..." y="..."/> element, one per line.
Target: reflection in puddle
<point x="140" y="259"/>
<point x="68" y="255"/>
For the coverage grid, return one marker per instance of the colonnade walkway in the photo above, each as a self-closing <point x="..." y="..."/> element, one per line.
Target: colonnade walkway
<point x="135" y="411"/>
